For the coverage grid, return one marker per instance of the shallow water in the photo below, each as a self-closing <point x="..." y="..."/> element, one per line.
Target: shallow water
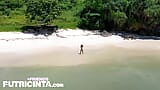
<point x="111" y="69"/>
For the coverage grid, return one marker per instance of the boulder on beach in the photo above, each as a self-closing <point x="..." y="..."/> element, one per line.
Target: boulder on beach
<point x="43" y="29"/>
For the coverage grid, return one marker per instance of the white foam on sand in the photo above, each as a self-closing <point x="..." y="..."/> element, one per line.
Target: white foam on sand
<point x="16" y="41"/>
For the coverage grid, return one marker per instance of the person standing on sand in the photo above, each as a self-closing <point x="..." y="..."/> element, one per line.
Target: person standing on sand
<point x="81" y="49"/>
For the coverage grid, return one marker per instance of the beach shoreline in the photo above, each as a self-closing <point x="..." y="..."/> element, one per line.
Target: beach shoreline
<point x="62" y="48"/>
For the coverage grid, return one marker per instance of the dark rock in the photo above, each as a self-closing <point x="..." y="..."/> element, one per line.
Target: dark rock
<point x="43" y="30"/>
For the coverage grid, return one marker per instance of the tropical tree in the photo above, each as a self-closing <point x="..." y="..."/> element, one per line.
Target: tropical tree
<point x="152" y="13"/>
<point x="120" y="14"/>
<point x="119" y="18"/>
<point x="6" y="6"/>
<point x="42" y="11"/>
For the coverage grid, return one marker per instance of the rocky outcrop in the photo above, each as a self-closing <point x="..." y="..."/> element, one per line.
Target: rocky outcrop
<point x="43" y="30"/>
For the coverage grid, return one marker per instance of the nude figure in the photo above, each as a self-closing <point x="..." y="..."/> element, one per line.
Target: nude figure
<point x="81" y="49"/>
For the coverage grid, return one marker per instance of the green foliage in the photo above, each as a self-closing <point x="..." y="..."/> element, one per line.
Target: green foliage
<point x="153" y="14"/>
<point x="65" y="13"/>
<point x="69" y="17"/>
<point x="132" y="15"/>
<point x="67" y="4"/>
<point x="42" y="11"/>
<point x="119" y="18"/>
<point x="121" y="14"/>
<point x="10" y="28"/>
<point x="7" y="5"/>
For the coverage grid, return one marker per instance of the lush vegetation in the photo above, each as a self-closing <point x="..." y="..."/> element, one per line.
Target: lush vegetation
<point x="18" y="13"/>
<point x="42" y="11"/>
<point x="136" y="16"/>
<point x="139" y="16"/>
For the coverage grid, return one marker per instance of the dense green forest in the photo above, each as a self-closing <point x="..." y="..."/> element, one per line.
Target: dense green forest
<point x="135" y="16"/>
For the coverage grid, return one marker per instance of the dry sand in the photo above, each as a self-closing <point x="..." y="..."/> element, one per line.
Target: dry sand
<point x="61" y="49"/>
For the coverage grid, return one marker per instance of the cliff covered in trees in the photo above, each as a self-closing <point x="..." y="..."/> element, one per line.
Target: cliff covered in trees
<point x="134" y="16"/>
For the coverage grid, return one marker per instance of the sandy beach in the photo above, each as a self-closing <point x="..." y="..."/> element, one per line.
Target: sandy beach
<point x="62" y="48"/>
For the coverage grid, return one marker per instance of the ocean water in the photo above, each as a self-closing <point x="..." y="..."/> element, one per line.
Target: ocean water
<point x="113" y="69"/>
